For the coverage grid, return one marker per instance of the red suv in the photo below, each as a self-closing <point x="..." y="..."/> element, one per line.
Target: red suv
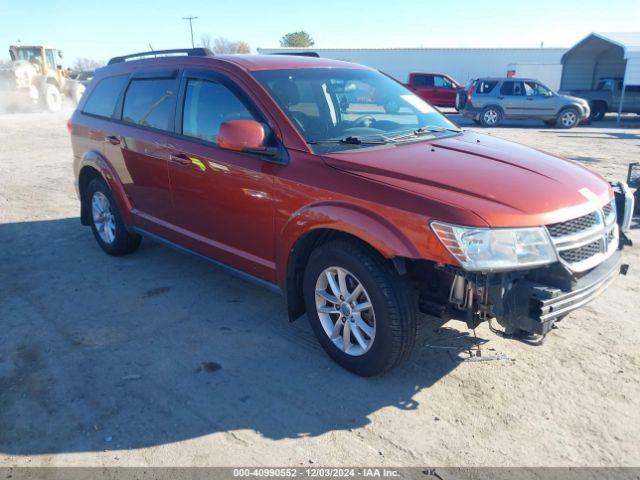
<point x="436" y="88"/>
<point x="362" y="218"/>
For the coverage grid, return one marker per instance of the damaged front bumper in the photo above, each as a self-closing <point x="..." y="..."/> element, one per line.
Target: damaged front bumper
<point x="536" y="301"/>
<point x="531" y="301"/>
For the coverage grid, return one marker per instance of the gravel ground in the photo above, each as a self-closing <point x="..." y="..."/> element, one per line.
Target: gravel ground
<point x="159" y="359"/>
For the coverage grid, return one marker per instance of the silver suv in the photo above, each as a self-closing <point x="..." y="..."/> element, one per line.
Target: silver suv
<point x="488" y="101"/>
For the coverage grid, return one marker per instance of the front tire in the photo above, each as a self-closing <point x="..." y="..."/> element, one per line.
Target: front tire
<point x="106" y="222"/>
<point x="76" y="93"/>
<point x="490" y="117"/>
<point x="568" y="118"/>
<point x="360" y="309"/>
<point x="598" y="111"/>
<point x="51" y="98"/>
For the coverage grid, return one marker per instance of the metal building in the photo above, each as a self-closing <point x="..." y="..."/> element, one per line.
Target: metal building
<point x="461" y="63"/>
<point x="602" y="55"/>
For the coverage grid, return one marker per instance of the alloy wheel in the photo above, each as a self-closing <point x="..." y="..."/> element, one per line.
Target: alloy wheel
<point x="569" y="119"/>
<point x="103" y="217"/>
<point x="490" y="117"/>
<point x="345" y="311"/>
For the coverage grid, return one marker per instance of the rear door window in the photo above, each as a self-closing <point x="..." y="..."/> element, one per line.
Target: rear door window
<point x="150" y="102"/>
<point x="423" y="80"/>
<point x="103" y="98"/>
<point x="512" y="88"/>
<point x="485" y="86"/>
<point x="206" y="105"/>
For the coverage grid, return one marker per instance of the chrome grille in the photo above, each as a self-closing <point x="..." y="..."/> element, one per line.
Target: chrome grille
<point x="580" y="254"/>
<point x="584" y="242"/>
<point x="572" y="226"/>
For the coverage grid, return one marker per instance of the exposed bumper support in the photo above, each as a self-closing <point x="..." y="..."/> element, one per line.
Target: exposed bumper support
<point x="534" y="307"/>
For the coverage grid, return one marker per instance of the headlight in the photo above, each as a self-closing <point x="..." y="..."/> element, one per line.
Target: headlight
<point x="496" y="248"/>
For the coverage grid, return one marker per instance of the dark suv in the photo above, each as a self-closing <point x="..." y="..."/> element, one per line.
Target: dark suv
<point x="360" y="217"/>
<point x="488" y="101"/>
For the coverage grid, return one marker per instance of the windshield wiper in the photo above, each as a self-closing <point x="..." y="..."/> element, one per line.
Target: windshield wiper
<point x="351" y="140"/>
<point x="424" y="131"/>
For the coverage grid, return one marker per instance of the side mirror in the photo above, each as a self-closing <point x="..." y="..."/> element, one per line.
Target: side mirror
<point x="245" y="136"/>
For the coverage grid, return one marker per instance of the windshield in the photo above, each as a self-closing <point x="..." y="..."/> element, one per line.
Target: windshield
<point x="30" y="54"/>
<point x="339" y="109"/>
<point x="533" y="89"/>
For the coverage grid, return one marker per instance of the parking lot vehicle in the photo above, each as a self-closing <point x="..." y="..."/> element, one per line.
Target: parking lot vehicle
<point x="607" y="95"/>
<point x="84" y="76"/>
<point x="488" y="101"/>
<point x="360" y="217"/>
<point x="36" y="76"/>
<point x="436" y="88"/>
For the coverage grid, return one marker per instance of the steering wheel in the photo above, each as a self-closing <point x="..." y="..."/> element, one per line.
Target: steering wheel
<point x="365" y="120"/>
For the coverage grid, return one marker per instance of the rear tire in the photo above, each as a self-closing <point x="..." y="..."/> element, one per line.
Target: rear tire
<point x="490" y="116"/>
<point x="388" y="336"/>
<point x="106" y="222"/>
<point x="568" y="118"/>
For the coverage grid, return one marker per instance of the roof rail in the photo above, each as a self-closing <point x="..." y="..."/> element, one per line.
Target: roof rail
<point x="191" y="52"/>
<point x="299" y="54"/>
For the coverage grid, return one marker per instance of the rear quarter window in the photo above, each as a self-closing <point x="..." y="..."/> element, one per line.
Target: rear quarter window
<point x="485" y="86"/>
<point x="150" y="103"/>
<point x="103" y="98"/>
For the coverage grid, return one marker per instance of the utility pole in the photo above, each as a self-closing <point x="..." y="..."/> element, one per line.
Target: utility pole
<point x="191" y="19"/>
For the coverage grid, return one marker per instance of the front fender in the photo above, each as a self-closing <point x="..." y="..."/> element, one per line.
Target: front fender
<point x="95" y="160"/>
<point x="368" y="226"/>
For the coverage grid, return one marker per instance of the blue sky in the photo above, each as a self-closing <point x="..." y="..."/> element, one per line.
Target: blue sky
<point x="102" y="29"/>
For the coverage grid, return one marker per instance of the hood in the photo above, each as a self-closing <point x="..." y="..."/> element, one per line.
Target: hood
<point x="580" y="94"/>
<point x="505" y="183"/>
<point x="572" y="98"/>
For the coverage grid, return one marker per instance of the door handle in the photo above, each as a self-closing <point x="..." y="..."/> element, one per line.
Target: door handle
<point x="500" y="98"/>
<point x="180" y="158"/>
<point x="112" y="139"/>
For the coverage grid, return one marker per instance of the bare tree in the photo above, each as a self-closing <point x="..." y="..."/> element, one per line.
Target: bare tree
<point x="224" y="45"/>
<point x="87" y="64"/>
<point x="205" y="41"/>
<point x="242" y="47"/>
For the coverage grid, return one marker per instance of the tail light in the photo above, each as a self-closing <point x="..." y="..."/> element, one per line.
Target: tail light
<point x="69" y="126"/>
<point x="471" y="89"/>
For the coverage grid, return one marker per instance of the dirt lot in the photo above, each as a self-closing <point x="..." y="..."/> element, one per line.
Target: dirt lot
<point x="160" y="359"/>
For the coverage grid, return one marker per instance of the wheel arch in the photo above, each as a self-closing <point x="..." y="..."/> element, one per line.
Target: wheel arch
<point x="54" y="82"/>
<point x="493" y="105"/>
<point x="317" y="225"/>
<point x="94" y="165"/>
<point x="598" y="102"/>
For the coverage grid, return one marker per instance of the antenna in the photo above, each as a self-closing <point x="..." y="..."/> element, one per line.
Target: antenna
<point x="191" y="19"/>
